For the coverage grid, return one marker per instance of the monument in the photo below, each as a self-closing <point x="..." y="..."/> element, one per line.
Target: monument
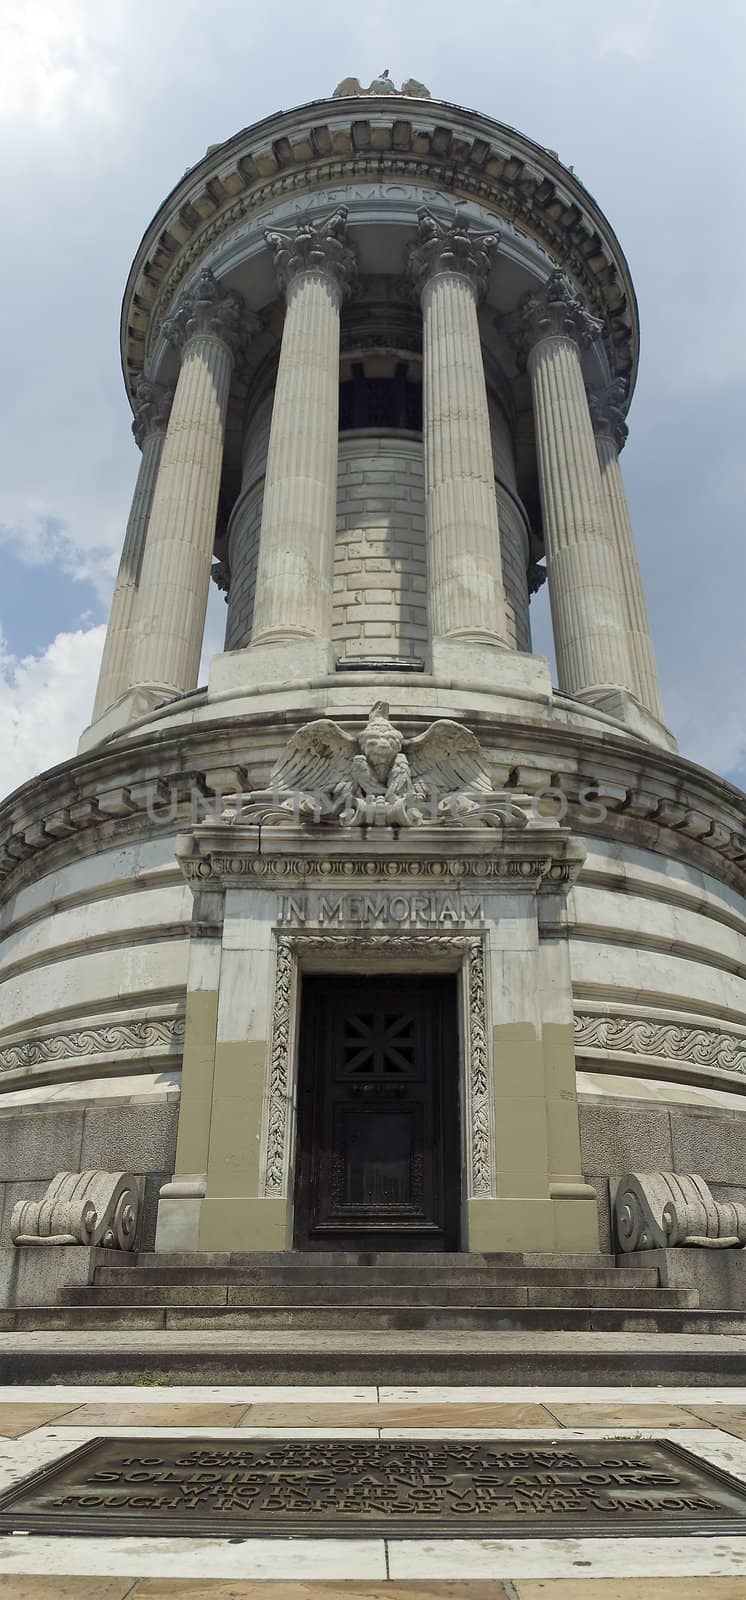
<point x="378" y="939"/>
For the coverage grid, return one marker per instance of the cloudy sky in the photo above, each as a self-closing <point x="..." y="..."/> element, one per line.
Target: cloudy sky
<point x="105" y="103"/>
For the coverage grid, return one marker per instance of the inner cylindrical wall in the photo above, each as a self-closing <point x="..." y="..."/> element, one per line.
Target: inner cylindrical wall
<point x="380" y="607"/>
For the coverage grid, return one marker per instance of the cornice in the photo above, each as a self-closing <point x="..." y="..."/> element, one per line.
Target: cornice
<point x="337" y="141"/>
<point x="651" y="797"/>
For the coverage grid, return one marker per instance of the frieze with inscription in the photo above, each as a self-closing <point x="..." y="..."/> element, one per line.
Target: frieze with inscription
<point x="152" y="1486"/>
<point x="380" y="910"/>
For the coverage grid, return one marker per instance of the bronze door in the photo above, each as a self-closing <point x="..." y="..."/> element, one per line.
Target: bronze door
<point x="378" y="1161"/>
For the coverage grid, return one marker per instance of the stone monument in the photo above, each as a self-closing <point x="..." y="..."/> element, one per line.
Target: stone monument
<point x="378" y="939"/>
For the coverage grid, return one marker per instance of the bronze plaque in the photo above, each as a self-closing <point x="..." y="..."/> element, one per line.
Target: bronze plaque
<point x="391" y="1488"/>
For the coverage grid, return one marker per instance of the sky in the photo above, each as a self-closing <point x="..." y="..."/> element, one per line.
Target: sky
<point x="103" y="106"/>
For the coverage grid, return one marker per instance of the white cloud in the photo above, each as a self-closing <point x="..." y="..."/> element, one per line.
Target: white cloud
<point x="40" y="540"/>
<point x="45" y="702"/>
<point x="55" y="62"/>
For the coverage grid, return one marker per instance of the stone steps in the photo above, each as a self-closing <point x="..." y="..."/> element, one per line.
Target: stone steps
<point x="492" y="1281"/>
<point x="366" y="1319"/>
<point x="594" y="1354"/>
<point x="372" y="1297"/>
<point x="299" y="1260"/>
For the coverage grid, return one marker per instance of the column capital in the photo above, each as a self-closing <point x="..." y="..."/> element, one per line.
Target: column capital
<point x="551" y="312"/>
<point x="607" y="412"/>
<point x="209" y="309"/>
<point x="152" y="408"/>
<point x="450" y="246"/>
<point x="314" y="247"/>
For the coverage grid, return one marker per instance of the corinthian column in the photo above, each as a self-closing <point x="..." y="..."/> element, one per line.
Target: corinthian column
<point x="450" y="266"/>
<point x="607" y="415"/>
<point x="174" y="585"/>
<point x="152" y="407"/>
<point x="314" y="268"/>
<point x="585" y="581"/>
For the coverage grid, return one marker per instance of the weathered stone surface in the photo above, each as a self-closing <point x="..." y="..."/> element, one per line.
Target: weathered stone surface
<point x="714" y="1146"/>
<point x="39" y="1144"/>
<point x="615" y="1138"/>
<point x="146" y="1135"/>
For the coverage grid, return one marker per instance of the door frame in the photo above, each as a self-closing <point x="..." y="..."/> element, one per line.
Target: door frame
<point x="424" y="954"/>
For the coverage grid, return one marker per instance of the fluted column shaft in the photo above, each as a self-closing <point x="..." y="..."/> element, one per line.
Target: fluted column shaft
<point x="175" y="578"/>
<point x="585" y="582"/>
<point x="606" y="411"/>
<point x="314" y="266"/>
<point x="299" y="513"/>
<point x="465" y="586"/>
<point x="151" y="418"/>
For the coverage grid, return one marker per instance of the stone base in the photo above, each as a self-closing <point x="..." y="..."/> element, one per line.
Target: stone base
<point x="718" y="1275"/>
<point x="486" y="666"/>
<point x="622" y="705"/>
<point x="269" y="666"/>
<point x="524" y="1225"/>
<point x="179" y="1207"/>
<point x="188" y="1221"/>
<point x="137" y="702"/>
<point x="37" y="1275"/>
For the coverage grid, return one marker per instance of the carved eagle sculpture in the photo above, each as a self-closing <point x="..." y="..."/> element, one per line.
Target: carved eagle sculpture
<point x="378" y="777"/>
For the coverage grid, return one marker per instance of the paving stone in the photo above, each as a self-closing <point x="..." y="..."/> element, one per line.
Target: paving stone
<point x="230" y="1589"/>
<point x="393" y="1416"/>
<point x="17" y="1419"/>
<point x="53" y="1586"/>
<point x="630" y="1588"/>
<point x="150" y="1415"/>
<point x="732" y="1419"/>
<point x="624" y="1416"/>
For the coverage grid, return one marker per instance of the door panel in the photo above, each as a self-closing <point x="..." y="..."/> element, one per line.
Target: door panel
<point x="378" y="1149"/>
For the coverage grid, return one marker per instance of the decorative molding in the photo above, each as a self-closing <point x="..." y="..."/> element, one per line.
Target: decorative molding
<point x="607" y="407"/>
<point x="274" y="1139"/>
<point x="314" y="247"/>
<point x="280" y="1095"/>
<point x="530" y="871"/>
<point x="666" y="1210"/>
<point x="106" y="1039"/>
<point x="551" y="312"/>
<point x="478" y="1077"/>
<point x="351" y="88"/>
<point x="210" y="310"/>
<point x="451" y="246"/>
<point x="509" y="187"/>
<point x="669" y="1041"/>
<point x="152" y="409"/>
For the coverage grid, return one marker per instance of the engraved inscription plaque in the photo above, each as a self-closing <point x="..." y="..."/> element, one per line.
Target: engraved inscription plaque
<point x="405" y="1488"/>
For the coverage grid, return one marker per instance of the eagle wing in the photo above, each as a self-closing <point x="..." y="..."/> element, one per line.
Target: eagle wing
<point x="317" y="758"/>
<point x="446" y="758"/>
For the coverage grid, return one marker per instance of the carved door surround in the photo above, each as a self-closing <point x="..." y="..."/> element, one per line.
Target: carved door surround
<point x="417" y="953"/>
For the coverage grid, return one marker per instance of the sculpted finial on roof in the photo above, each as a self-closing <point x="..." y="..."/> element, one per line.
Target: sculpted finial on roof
<point x="350" y="87"/>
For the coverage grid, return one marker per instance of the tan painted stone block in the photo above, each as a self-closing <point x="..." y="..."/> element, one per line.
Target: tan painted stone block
<point x="233" y="1166"/>
<point x="198" y="1069"/>
<point x="520" y="1134"/>
<point x="518" y="1062"/>
<point x="244" y="1222"/>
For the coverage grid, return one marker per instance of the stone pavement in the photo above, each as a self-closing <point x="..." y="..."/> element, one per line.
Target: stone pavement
<point x="40" y="1424"/>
